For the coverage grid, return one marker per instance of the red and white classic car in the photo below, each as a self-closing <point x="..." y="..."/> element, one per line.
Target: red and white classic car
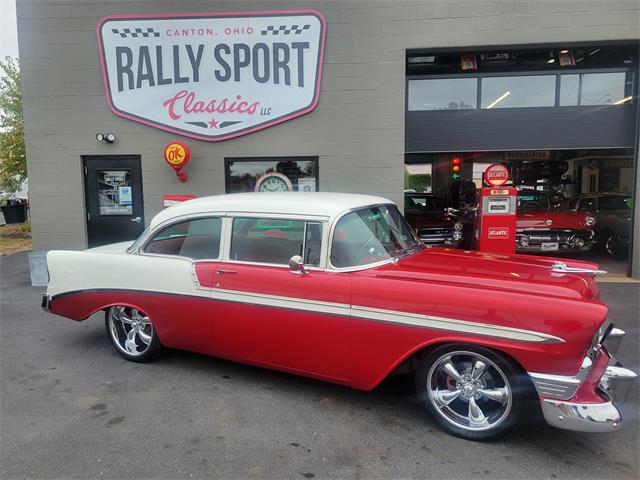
<point x="339" y="288"/>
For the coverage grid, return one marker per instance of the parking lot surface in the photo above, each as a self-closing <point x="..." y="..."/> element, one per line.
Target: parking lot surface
<point x="71" y="407"/>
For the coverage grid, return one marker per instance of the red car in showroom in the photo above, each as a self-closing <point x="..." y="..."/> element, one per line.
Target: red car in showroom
<point x="428" y="218"/>
<point x="338" y="287"/>
<point x="542" y="228"/>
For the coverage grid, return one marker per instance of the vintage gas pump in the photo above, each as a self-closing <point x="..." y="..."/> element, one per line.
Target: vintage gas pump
<point x="495" y="229"/>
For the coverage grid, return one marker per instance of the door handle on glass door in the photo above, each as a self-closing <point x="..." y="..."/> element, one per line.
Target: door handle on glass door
<point x="137" y="219"/>
<point x="228" y="272"/>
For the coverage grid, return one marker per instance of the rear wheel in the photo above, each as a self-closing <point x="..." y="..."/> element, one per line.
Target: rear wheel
<point x="132" y="333"/>
<point x="472" y="392"/>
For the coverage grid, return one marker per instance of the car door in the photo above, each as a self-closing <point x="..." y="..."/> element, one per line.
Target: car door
<point x="268" y="315"/>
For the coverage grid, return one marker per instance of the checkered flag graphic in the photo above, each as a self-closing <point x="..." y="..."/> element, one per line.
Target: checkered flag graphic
<point x="285" y="30"/>
<point x="136" y="32"/>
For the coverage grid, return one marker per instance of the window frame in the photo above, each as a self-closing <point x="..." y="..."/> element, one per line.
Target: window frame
<point x="140" y="250"/>
<point x="227" y="160"/>
<point x="510" y="73"/>
<point x="258" y="216"/>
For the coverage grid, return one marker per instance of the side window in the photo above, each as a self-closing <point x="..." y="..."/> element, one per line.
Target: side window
<point x="197" y="239"/>
<point x="275" y="241"/>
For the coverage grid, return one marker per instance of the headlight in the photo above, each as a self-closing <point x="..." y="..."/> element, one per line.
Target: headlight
<point x="589" y="221"/>
<point x="458" y="226"/>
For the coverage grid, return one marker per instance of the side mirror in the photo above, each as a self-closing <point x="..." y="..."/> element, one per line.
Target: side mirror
<point x="296" y="265"/>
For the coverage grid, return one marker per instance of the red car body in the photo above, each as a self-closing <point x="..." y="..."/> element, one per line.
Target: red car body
<point x="541" y="229"/>
<point x="354" y="326"/>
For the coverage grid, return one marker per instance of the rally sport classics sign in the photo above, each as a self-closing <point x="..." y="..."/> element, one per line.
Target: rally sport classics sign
<point x="212" y="76"/>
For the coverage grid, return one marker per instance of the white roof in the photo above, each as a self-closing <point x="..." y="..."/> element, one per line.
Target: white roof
<point x="321" y="204"/>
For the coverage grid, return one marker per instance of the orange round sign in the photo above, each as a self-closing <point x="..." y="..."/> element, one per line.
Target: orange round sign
<point x="496" y="175"/>
<point x="177" y="155"/>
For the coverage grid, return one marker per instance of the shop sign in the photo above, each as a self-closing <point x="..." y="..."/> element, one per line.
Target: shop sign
<point x="494" y="233"/>
<point x="496" y="175"/>
<point x="212" y="76"/>
<point x="177" y="155"/>
<point x="527" y="155"/>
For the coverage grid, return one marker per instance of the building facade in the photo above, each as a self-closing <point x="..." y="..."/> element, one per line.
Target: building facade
<point x="370" y="119"/>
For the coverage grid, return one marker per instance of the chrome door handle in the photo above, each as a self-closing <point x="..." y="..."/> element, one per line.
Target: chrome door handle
<point x="137" y="219"/>
<point x="228" y="272"/>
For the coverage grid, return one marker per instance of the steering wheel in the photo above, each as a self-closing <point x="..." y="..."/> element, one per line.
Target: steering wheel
<point x="361" y="253"/>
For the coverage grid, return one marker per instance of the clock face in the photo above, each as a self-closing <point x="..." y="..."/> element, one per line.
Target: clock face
<point x="273" y="182"/>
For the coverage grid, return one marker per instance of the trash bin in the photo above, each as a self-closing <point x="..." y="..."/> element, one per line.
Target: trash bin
<point x="38" y="269"/>
<point x="16" y="213"/>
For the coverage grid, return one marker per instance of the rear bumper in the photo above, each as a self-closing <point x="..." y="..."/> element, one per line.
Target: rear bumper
<point x="567" y="402"/>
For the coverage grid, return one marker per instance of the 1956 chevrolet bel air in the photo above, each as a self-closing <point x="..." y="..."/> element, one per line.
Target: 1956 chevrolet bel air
<point x="338" y="287"/>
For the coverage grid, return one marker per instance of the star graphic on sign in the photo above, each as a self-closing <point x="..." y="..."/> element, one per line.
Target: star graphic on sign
<point x="213" y="123"/>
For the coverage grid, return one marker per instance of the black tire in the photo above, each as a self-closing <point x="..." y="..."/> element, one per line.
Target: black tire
<point x="502" y="375"/>
<point x="117" y="330"/>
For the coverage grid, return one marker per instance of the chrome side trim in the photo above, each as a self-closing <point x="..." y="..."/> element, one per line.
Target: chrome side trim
<point x="388" y="316"/>
<point x="582" y="417"/>
<point x="555" y="386"/>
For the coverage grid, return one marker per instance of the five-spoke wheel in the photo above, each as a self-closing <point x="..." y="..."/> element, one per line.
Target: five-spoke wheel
<point x="132" y="333"/>
<point x="472" y="392"/>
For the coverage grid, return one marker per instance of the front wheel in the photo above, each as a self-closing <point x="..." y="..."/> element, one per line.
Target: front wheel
<point x="132" y="333"/>
<point x="472" y="392"/>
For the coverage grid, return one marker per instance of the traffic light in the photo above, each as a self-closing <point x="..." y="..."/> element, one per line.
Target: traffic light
<point x="456" y="165"/>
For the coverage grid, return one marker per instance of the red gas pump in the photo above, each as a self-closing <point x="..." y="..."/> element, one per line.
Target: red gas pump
<point x="495" y="229"/>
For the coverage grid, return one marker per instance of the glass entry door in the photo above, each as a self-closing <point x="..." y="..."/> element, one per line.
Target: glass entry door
<point x="113" y="196"/>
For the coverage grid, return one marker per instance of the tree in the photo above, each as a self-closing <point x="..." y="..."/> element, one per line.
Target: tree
<point x="13" y="162"/>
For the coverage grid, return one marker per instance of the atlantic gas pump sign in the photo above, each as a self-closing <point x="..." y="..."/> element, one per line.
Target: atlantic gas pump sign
<point x="212" y="76"/>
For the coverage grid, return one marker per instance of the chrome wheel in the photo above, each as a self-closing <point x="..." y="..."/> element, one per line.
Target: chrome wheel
<point x="131" y="330"/>
<point x="469" y="391"/>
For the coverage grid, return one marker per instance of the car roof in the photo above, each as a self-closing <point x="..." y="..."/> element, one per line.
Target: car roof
<point x="418" y="194"/>
<point x="316" y="204"/>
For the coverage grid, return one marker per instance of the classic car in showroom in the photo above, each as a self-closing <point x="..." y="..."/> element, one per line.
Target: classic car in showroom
<point x="613" y="219"/>
<point x="338" y="287"/>
<point x="428" y="218"/>
<point x="542" y="228"/>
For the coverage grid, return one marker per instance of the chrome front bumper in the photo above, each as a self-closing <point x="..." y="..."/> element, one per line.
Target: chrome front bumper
<point x="556" y="391"/>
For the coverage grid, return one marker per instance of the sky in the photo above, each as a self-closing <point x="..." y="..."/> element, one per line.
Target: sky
<point x="8" y="30"/>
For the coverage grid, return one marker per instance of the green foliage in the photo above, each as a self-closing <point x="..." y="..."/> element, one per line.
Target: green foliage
<point x="13" y="163"/>
<point x="24" y="227"/>
<point x="418" y="183"/>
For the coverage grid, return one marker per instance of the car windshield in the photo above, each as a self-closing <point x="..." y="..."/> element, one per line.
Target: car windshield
<point x="370" y="235"/>
<point x="615" y="202"/>
<point x="422" y="203"/>
<point x="530" y="200"/>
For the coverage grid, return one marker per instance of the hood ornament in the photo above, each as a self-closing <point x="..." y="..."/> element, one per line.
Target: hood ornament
<point x="561" y="267"/>
<point x="548" y="221"/>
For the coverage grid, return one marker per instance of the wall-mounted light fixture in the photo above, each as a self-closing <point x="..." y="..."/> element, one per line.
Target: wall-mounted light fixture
<point x="105" y="137"/>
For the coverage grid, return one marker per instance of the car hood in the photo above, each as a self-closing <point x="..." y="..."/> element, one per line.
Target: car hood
<point x="541" y="218"/>
<point x="515" y="273"/>
<point x="120" y="247"/>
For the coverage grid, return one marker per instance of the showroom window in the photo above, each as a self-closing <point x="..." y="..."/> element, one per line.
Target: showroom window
<point x="272" y="174"/>
<point x="197" y="239"/>
<point x="443" y="94"/>
<point x="596" y="88"/>
<point x="519" y="91"/>
<point x="275" y="241"/>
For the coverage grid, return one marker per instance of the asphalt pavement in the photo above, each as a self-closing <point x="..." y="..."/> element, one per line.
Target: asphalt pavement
<point x="71" y="407"/>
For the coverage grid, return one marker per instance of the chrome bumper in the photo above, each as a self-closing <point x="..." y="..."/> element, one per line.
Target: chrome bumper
<point x="614" y="385"/>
